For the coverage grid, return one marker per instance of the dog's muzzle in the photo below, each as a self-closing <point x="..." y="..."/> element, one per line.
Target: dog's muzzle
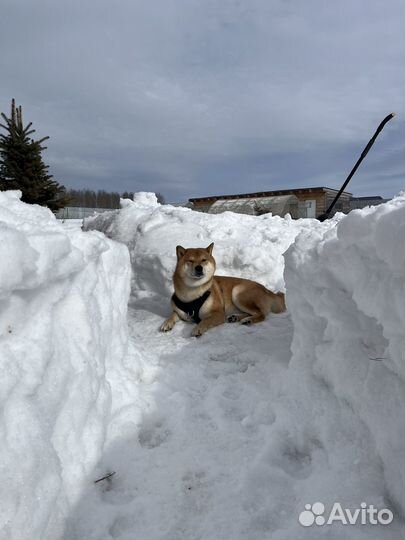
<point x="198" y="271"/>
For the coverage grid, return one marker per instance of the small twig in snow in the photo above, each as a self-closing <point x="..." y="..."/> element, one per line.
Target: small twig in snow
<point x="107" y="477"/>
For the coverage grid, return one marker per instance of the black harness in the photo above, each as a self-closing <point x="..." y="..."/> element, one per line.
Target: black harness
<point x="192" y="308"/>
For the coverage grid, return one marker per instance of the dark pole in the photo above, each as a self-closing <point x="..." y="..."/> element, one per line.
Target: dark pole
<point x="370" y="143"/>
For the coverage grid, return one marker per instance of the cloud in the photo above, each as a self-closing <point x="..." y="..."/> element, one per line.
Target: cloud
<point x="190" y="98"/>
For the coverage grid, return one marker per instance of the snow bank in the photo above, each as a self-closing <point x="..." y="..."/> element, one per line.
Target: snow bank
<point x="346" y="296"/>
<point x="63" y="301"/>
<point x="251" y="246"/>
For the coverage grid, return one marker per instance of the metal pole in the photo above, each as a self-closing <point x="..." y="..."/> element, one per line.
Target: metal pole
<point x="370" y="143"/>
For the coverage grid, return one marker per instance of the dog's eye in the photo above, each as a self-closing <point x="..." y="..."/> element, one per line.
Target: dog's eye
<point x="203" y="260"/>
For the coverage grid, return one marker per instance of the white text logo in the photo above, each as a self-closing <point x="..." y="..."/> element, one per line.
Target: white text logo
<point x="365" y="515"/>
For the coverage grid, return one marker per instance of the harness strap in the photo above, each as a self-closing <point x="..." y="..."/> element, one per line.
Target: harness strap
<point x="191" y="308"/>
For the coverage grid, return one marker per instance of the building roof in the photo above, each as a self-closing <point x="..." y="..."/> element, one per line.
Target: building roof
<point x="370" y="198"/>
<point x="275" y="193"/>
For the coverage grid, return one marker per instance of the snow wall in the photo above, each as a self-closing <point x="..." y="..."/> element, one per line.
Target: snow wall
<point x="346" y="296"/>
<point x="63" y="303"/>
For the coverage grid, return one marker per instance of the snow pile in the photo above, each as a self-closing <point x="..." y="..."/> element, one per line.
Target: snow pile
<point x="63" y="303"/>
<point x="251" y="246"/>
<point x="346" y="296"/>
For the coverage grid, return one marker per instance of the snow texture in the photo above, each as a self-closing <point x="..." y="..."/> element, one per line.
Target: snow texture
<point x="346" y="294"/>
<point x="62" y="322"/>
<point x="227" y="437"/>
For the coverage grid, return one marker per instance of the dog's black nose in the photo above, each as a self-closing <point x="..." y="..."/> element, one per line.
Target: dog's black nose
<point x="198" y="269"/>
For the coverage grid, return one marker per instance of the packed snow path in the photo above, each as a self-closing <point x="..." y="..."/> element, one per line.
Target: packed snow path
<point x="213" y="447"/>
<point x="208" y="406"/>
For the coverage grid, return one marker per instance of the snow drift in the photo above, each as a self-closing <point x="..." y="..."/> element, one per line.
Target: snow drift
<point x="346" y="295"/>
<point x="63" y="302"/>
<point x="251" y="246"/>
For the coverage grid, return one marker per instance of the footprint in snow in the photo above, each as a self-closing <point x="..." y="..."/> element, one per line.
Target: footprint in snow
<point x="295" y="460"/>
<point x="152" y="436"/>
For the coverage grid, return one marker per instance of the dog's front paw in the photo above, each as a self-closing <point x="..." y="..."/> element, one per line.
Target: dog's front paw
<point x="236" y="317"/>
<point x="198" y="331"/>
<point x="167" y="325"/>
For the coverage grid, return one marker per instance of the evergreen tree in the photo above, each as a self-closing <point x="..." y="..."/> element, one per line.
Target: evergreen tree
<point x="21" y="165"/>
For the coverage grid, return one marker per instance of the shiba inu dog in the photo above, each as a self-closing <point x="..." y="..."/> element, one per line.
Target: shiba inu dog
<point x="210" y="300"/>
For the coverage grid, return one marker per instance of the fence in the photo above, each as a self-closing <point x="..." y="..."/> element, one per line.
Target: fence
<point x="76" y="212"/>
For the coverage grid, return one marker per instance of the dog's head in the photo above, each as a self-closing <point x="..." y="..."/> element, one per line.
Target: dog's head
<point x="195" y="266"/>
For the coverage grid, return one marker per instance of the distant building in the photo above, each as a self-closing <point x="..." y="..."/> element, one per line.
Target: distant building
<point x="361" y="202"/>
<point x="301" y="202"/>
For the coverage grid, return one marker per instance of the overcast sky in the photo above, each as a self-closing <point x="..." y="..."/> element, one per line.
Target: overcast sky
<point x="202" y="97"/>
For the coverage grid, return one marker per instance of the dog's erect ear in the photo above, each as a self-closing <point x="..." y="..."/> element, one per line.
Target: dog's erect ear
<point x="210" y="248"/>
<point x="180" y="250"/>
